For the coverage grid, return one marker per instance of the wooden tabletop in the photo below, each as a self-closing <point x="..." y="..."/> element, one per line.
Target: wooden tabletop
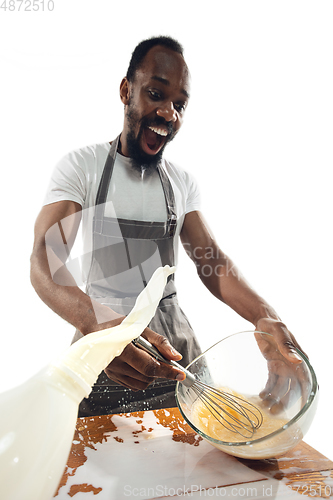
<point x="155" y="454"/>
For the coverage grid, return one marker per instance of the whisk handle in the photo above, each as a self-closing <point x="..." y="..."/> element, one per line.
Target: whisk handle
<point x="148" y="347"/>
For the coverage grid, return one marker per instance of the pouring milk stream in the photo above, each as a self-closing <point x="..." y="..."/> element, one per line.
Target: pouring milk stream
<point x="37" y="418"/>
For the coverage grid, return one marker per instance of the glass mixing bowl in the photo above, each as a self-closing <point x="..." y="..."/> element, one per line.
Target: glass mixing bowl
<point x="250" y="365"/>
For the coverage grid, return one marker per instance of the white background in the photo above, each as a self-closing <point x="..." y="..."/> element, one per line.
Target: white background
<point x="257" y="136"/>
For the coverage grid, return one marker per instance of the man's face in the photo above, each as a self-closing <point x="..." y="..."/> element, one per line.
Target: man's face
<point x="154" y="106"/>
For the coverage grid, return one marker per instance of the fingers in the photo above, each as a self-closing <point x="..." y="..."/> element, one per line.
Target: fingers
<point x="286" y="385"/>
<point x="121" y="372"/>
<point x="275" y="394"/>
<point x="164" y="370"/>
<point x="285" y="341"/>
<point x="162" y="344"/>
<point x="136" y="369"/>
<point x="287" y="345"/>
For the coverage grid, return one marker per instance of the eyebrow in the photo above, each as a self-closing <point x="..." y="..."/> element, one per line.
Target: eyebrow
<point x="166" y="82"/>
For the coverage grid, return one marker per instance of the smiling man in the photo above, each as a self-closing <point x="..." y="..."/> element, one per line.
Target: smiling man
<point x="135" y="207"/>
<point x="155" y="97"/>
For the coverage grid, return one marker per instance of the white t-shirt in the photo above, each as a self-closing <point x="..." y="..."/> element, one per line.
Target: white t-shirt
<point x="131" y="195"/>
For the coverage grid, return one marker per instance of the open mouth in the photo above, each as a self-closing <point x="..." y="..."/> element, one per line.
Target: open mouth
<point x="153" y="138"/>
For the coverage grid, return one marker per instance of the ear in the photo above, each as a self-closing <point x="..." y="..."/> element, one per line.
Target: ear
<point x="125" y="91"/>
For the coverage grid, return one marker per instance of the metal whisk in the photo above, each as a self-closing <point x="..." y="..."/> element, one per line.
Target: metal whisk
<point x="234" y="413"/>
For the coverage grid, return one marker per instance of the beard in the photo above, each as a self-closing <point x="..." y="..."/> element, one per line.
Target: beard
<point x="139" y="159"/>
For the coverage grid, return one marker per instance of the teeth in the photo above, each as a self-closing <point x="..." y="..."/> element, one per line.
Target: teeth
<point x="159" y="131"/>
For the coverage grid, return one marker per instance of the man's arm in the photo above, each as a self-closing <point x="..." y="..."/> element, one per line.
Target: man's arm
<point x="55" y="231"/>
<point x="223" y="279"/>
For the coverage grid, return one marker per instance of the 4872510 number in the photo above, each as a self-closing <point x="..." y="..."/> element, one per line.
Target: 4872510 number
<point x="315" y="490"/>
<point x="27" y="5"/>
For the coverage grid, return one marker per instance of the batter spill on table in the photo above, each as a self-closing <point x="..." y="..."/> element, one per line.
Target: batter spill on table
<point x="313" y="484"/>
<point x="181" y="430"/>
<point x="301" y="476"/>
<point x="86" y="436"/>
<point x="302" y="469"/>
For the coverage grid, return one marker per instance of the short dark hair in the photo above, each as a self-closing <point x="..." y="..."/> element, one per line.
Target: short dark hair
<point x="142" y="49"/>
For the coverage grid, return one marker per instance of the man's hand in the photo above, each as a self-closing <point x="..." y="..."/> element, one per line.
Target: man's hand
<point x="287" y="378"/>
<point x="285" y="340"/>
<point x="136" y="369"/>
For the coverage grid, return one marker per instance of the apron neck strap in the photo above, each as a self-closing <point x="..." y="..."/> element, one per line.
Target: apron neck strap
<point x="103" y="187"/>
<point x="168" y="193"/>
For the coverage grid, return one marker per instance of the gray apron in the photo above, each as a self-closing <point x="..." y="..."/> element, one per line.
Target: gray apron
<point x="125" y="255"/>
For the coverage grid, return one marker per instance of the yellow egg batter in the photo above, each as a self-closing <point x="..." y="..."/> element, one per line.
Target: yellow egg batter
<point x="203" y="419"/>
